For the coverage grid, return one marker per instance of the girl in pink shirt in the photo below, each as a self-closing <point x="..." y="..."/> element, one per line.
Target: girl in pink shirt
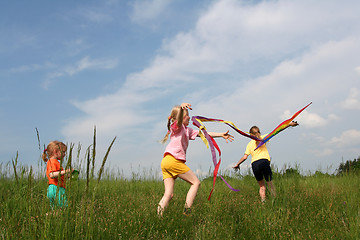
<point x="173" y="164"/>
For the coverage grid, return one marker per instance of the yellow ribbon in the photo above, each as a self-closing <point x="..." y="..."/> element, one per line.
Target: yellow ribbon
<point x="201" y="134"/>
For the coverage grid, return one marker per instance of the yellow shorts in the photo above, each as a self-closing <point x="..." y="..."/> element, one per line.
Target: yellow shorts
<point x="171" y="167"/>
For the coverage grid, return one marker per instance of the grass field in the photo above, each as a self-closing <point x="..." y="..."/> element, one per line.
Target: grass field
<point x="313" y="207"/>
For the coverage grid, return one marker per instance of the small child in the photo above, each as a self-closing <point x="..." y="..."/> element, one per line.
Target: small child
<point x="56" y="151"/>
<point x="260" y="162"/>
<point x="173" y="164"/>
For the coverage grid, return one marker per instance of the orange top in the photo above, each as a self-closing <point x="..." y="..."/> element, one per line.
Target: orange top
<point x="53" y="165"/>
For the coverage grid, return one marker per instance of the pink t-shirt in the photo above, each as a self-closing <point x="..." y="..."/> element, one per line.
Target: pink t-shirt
<point x="179" y="141"/>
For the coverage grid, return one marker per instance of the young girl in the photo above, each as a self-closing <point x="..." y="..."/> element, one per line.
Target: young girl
<point x="260" y="162"/>
<point x="56" y="151"/>
<point x="173" y="164"/>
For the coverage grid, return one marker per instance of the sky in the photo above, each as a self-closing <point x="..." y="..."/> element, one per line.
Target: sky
<point x="68" y="66"/>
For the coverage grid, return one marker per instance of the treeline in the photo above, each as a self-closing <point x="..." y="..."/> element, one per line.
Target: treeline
<point x="349" y="167"/>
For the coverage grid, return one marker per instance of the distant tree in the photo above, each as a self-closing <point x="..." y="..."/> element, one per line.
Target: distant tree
<point x="321" y="174"/>
<point x="291" y="172"/>
<point x="349" y="166"/>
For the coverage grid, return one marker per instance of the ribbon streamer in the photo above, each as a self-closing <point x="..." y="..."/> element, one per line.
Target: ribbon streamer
<point x="282" y="126"/>
<point x="231" y="124"/>
<point x="210" y="142"/>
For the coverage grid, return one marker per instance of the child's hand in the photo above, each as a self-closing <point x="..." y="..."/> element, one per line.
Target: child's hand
<point x="293" y="123"/>
<point x="186" y="106"/>
<point x="228" y="137"/>
<point x="236" y="167"/>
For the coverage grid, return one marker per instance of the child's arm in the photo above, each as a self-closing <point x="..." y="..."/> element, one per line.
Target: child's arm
<point x="224" y="135"/>
<point x="180" y="116"/>
<point x="62" y="172"/>
<point x="240" y="161"/>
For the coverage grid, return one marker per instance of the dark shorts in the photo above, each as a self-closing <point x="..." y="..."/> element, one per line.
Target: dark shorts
<point x="261" y="169"/>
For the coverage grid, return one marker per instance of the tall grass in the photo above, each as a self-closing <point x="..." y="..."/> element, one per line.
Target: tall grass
<point x="320" y="206"/>
<point x="323" y="207"/>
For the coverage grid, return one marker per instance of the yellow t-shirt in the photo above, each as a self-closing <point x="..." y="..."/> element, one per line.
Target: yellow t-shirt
<point x="260" y="153"/>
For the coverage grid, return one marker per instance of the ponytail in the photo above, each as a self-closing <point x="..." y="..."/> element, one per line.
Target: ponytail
<point x="177" y="114"/>
<point x="164" y="140"/>
<point x="44" y="156"/>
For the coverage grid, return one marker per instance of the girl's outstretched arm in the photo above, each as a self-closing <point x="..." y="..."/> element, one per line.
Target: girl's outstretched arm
<point x="224" y="135"/>
<point x="240" y="161"/>
<point x="62" y="172"/>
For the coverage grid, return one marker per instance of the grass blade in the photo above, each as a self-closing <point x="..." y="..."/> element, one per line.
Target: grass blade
<point x="104" y="160"/>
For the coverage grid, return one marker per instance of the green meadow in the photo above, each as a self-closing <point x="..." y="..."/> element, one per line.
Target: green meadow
<point x="320" y="206"/>
<point x="102" y="204"/>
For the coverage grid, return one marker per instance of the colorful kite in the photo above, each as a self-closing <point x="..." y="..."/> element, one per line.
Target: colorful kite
<point x="282" y="126"/>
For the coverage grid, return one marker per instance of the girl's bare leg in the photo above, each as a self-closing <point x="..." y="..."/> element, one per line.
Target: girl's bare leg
<point x="262" y="190"/>
<point x="272" y="188"/>
<point x="168" y="194"/>
<point x="191" y="178"/>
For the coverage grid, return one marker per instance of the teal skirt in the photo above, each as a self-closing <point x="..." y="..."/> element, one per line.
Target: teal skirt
<point x="56" y="196"/>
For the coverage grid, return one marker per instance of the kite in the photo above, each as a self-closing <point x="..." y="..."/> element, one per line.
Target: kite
<point x="209" y="141"/>
<point x="282" y="126"/>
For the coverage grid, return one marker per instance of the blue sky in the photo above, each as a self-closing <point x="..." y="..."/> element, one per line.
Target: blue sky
<point x="122" y="66"/>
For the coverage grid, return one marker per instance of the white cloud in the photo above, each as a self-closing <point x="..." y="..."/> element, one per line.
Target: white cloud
<point x="85" y="63"/>
<point x="96" y="16"/>
<point x="33" y="67"/>
<point x="357" y="70"/>
<point x="147" y="10"/>
<point x="333" y="117"/>
<point x="75" y="46"/>
<point x="348" y="138"/>
<point x="113" y="113"/>
<point x="347" y="142"/>
<point x="323" y="152"/>
<point x="220" y="43"/>
<point x="269" y="29"/>
<point x="311" y="120"/>
<point x="353" y="100"/>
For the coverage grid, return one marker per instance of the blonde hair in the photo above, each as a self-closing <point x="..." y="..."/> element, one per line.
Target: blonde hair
<point x="52" y="148"/>
<point x="177" y="114"/>
<point x="255" y="131"/>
